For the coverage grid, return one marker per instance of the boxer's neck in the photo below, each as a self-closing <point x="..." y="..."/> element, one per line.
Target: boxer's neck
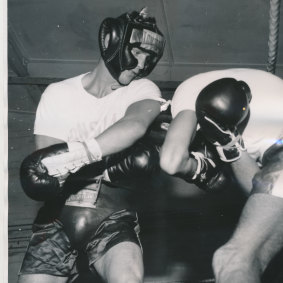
<point x="99" y="82"/>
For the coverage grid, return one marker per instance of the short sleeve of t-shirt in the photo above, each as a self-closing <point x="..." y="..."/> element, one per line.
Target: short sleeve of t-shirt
<point x="140" y="90"/>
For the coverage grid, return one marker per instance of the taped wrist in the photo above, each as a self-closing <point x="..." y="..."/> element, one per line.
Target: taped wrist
<point x="204" y="165"/>
<point x="79" y="155"/>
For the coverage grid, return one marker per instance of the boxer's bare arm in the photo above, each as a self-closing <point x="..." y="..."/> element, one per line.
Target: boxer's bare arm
<point x="42" y="141"/>
<point x="130" y="128"/>
<point x="174" y="155"/>
<point x="244" y="170"/>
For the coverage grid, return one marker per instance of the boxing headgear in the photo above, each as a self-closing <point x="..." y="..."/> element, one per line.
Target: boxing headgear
<point x="225" y="101"/>
<point x="127" y="31"/>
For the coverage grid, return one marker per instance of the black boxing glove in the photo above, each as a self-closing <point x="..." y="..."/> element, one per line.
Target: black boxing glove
<point x="210" y="174"/>
<point x="34" y="177"/>
<point x="220" y="108"/>
<point x="44" y="172"/>
<point x="142" y="159"/>
<point x="140" y="162"/>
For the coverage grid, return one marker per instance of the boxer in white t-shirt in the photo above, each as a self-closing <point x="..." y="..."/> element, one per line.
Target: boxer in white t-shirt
<point x="80" y="122"/>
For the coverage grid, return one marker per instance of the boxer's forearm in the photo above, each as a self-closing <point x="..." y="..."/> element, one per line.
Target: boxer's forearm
<point x="42" y="141"/>
<point x="120" y="136"/>
<point x="174" y="155"/>
<point x="130" y="128"/>
<point x="244" y="170"/>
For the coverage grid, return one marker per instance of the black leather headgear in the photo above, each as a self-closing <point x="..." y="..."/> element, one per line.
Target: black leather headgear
<point x="127" y="31"/>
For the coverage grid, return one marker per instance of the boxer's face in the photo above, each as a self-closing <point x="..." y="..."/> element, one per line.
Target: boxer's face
<point x="128" y="75"/>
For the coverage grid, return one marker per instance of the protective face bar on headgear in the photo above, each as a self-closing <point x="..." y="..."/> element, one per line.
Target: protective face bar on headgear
<point x="125" y="32"/>
<point x="147" y="40"/>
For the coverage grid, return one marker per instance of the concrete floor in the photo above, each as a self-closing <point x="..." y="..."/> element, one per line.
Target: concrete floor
<point x="181" y="225"/>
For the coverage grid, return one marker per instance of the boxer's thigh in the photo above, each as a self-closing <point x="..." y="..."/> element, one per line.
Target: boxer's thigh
<point x="122" y="263"/>
<point x="115" y="250"/>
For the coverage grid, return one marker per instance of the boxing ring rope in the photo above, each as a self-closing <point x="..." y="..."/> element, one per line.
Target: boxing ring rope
<point x="274" y="21"/>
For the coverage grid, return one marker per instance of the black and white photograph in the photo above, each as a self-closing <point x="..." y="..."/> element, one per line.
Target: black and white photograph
<point x="142" y="141"/>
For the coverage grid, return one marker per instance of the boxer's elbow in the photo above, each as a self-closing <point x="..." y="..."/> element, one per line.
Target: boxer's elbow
<point x="140" y="128"/>
<point x="135" y="129"/>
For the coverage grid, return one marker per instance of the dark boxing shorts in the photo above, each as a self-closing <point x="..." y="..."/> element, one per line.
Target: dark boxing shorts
<point x="50" y="251"/>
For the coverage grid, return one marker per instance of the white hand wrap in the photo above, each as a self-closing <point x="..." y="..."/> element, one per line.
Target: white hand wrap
<point x="201" y="159"/>
<point x="79" y="155"/>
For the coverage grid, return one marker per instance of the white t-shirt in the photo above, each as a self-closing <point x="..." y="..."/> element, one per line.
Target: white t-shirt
<point x="265" y="126"/>
<point x="68" y="112"/>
